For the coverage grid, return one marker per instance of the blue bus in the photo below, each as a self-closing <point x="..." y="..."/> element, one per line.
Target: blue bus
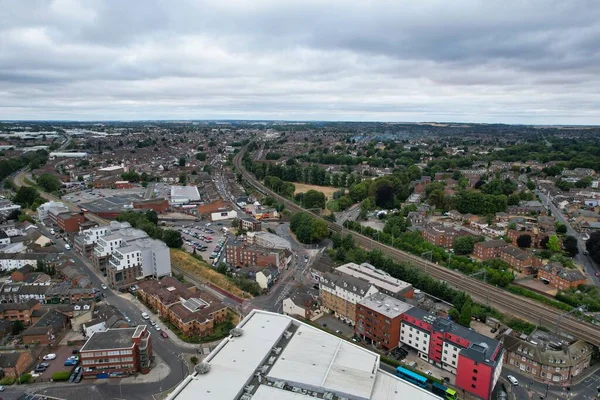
<point x="441" y="390"/>
<point x="411" y="377"/>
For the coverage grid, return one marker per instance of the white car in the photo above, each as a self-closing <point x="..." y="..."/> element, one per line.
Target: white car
<point x="157" y="327"/>
<point x="1" y="388"/>
<point x="145" y="315"/>
<point x="52" y="231"/>
<point x="103" y="286"/>
<point x="50" y="356"/>
<point x="67" y="247"/>
<point x="513" y="380"/>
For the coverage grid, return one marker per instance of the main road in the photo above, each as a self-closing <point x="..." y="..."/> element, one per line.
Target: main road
<point x="506" y="302"/>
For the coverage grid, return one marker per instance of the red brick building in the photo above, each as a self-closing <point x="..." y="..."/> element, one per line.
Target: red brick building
<point x="250" y="224"/>
<point x="192" y="311"/>
<point x="378" y="320"/>
<point x="15" y="364"/>
<point x="123" y="185"/>
<point x="241" y="254"/>
<point x="489" y="249"/>
<point x="116" y="353"/>
<point x="519" y="260"/>
<point x="19" y="311"/>
<point x="442" y="236"/>
<point x="158" y="205"/>
<point x="68" y="222"/>
<point x="559" y="277"/>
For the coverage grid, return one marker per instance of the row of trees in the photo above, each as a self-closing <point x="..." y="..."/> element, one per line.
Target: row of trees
<point x="148" y="222"/>
<point x="30" y="159"/>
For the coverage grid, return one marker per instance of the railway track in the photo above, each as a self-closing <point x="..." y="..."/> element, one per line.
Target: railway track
<point x="508" y="303"/>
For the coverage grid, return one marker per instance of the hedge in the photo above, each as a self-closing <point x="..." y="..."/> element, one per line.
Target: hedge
<point x="61" y="376"/>
<point x="539" y="297"/>
<point x="7" y="381"/>
<point x="25" y="378"/>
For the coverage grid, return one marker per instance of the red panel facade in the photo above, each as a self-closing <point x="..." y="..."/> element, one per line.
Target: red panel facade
<point x="474" y="377"/>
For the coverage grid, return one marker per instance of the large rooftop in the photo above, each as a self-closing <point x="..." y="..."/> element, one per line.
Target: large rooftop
<point x="295" y="361"/>
<point x="110" y="339"/>
<point x="374" y="276"/>
<point x="385" y="305"/>
<point x="184" y="193"/>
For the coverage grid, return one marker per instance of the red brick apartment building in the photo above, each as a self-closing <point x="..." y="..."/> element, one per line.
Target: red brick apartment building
<point x="241" y="254"/>
<point x="489" y="249"/>
<point x="378" y="320"/>
<point x="116" y="353"/>
<point x="519" y="260"/>
<point x="68" y="222"/>
<point x="15" y="364"/>
<point x="559" y="277"/>
<point x="442" y="236"/>
<point x="192" y="311"/>
<point x="19" y="311"/>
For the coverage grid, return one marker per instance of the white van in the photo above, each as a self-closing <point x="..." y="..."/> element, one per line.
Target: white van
<point x="145" y="315"/>
<point x="513" y="380"/>
<point x="67" y="246"/>
<point x="52" y="231"/>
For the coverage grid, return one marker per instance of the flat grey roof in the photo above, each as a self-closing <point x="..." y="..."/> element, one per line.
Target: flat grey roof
<point x="374" y="276"/>
<point x="385" y="305"/>
<point x="110" y="339"/>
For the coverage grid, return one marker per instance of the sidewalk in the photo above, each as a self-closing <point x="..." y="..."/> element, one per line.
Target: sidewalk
<point x="160" y="370"/>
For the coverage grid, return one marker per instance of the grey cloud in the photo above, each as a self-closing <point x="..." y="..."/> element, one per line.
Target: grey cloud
<point x="487" y="61"/>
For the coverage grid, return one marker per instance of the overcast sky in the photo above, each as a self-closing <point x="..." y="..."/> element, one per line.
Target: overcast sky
<point x="508" y="61"/>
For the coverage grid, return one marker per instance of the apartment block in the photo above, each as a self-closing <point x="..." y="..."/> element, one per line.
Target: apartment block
<point x="489" y="249"/>
<point x="194" y="312"/>
<point x="518" y="259"/>
<point x="550" y="359"/>
<point x="19" y="312"/>
<point x="559" y="277"/>
<point x="378" y="320"/>
<point x="340" y="294"/>
<point x="107" y="244"/>
<point x="241" y="254"/>
<point x="250" y="224"/>
<point x="145" y="257"/>
<point x="115" y="353"/>
<point x="442" y="236"/>
<point x="475" y="359"/>
<point x="384" y="282"/>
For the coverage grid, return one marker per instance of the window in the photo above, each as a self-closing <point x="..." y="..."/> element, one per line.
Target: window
<point x="474" y="379"/>
<point x="474" y="371"/>
<point x="473" y="386"/>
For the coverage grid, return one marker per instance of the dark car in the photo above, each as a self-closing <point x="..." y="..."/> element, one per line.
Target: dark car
<point x="79" y="377"/>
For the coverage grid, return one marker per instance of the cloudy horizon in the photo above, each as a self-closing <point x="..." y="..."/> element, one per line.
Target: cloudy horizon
<point x="533" y="62"/>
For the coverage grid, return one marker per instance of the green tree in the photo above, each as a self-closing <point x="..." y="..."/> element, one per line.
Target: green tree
<point x="466" y="313"/>
<point x="17" y="327"/>
<point x="49" y="183"/>
<point x="201" y="156"/>
<point x="152" y="216"/>
<point x="313" y="199"/>
<point x="570" y="246"/>
<point x="561" y="228"/>
<point x="464" y="245"/>
<point x="524" y="241"/>
<point x="553" y="244"/>
<point x="172" y="238"/>
<point x="26" y="196"/>
<point x="183" y="178"/>
<point x="383" y="192"/>
<point x="530" y="185"/>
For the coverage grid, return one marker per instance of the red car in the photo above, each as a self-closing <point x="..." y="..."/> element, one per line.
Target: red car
<point x="597" y="274"/>
<point x="164" y="334"/>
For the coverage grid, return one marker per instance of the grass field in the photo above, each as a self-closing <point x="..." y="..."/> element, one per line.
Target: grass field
<point x="326" y="190"/>
<point x="203" y="272"/>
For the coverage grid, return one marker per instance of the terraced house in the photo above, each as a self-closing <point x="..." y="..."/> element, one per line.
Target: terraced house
<point x="192" y="311"/>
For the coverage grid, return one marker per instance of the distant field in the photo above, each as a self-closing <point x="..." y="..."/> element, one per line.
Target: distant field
<point x="326" y="190"/>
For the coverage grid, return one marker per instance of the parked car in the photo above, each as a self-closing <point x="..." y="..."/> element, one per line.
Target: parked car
<point x="164" y="334"/>
<point x="145" y="315"/>
<point x="67" y="247"/>
<point x="157" y="328"/>
<point x="70" y="363"/>
<point x="78" y="377"/>
<point x="103" y="286"/>
<point x="50" y="356"/>
<point x="1" y="388"/>
<point x="513" y="380"/>
<point x="39" y="369"/>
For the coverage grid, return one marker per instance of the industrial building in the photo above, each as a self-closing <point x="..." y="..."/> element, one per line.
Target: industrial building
<point x="273" y="356"/>
<point x="184" y="194"/>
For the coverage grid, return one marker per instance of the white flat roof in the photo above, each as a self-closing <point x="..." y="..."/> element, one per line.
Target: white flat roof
<point x="185" y="192"/>
<point x="374" y="276"/>
<point x="388" y="387"/>
<point x="315" y="359"/>
<point x="308" y="361"/>
<point x="234" y="362"/>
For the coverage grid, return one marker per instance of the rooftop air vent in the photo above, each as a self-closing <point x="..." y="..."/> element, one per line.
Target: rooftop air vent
<point x="236" y="332"/>
<point x="202" y="368"/>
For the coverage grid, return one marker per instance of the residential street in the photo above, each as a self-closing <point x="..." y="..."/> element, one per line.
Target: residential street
<point x="590" y="267"/>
